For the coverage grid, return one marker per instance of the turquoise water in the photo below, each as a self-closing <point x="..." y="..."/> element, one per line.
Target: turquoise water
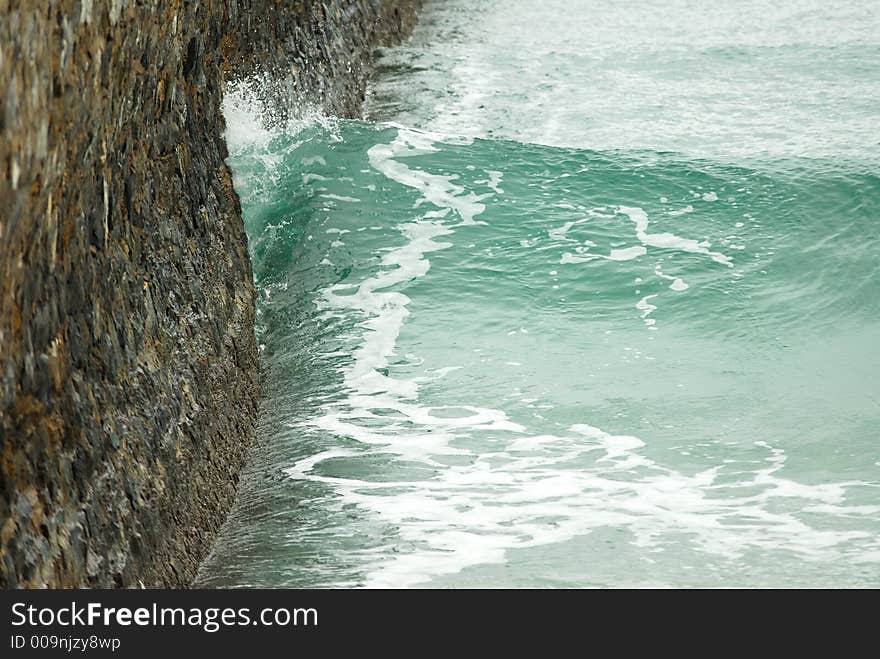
<point x="590" y="300"/>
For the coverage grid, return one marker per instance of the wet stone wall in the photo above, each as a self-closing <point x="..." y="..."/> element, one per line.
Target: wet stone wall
<point x="129" y="379"/>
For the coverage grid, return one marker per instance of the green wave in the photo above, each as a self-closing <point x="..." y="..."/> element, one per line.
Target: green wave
<point x="480" y="348"/>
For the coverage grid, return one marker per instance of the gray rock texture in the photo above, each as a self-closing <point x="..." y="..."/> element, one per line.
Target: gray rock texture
<point x="128" y="367"/>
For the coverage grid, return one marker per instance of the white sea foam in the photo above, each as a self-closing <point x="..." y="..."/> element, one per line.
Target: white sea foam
<point x="677" y="284"/>
<point x="495" y="180"/>
<point x="626" y="254"/>
<point x="435" y="188"/>
<point x="668" y="240"/>
<point x="638" y="216"/>
<point x="338" y="197"/>
<point x="520" y="489"/>
<point x="682" y="211"/>
<point x="646" y="308"/>
<point x="251" y="125"/>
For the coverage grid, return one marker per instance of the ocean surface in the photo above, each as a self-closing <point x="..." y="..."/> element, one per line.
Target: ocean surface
<point x="592" y="299"/>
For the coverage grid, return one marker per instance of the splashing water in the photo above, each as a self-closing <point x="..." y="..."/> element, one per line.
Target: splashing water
<point x="524" y="362"/>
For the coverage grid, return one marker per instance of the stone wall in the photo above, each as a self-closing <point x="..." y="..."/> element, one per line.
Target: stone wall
<point x="128" y="367"/>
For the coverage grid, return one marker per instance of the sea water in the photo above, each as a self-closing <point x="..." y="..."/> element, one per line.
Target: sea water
<point x="591" y="299"/>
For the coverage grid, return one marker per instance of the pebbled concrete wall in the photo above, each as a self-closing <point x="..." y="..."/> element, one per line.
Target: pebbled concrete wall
<point x="128" y="367"/>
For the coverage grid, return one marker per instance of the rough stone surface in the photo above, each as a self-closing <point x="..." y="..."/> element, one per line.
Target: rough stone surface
<point x="128" y="367"/>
